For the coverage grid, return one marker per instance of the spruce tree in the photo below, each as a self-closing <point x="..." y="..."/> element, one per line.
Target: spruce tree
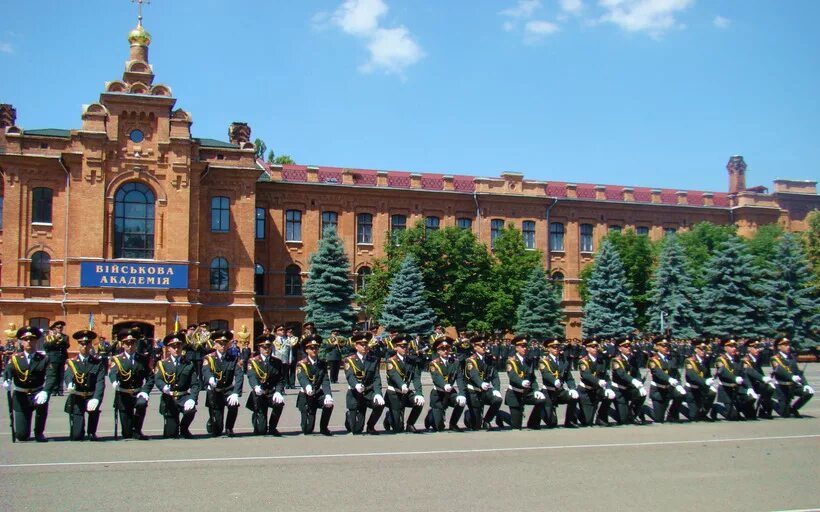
<point x="794" y="308"/>
<point x="405" y="308"/>
<point x="539" y="314"/>
<point x="609" y="311"/>
<point x="731" y="301"/>
<point x="672" y="294"/>
<point x="329" y="291"/>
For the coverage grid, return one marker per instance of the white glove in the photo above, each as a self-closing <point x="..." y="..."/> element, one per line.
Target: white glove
<point x="767" y="379"/>
<point x="166" y="389"/>
<point x="638" y="384"/>
<point x="772" y="385"/>
<point x="673" y="382"/>
<point x="497" y="393"/>
<point x="418" y="400"/>
<point x="609" y="394"/>
<point x="360" y="388"/>
<point x="309" y="390"/>
<point x="558" y="383"/>
<point x="278" y="398"/>
<point x="378" y="400"/>
<point x="525" y="383"/>
<point x="233" y="400"/>
<point x="212" y="383"/>
<point x="751" y="393"/>
<point x="710" y="381"/>
<point x="41" y="398"/>
<point x="680" y="389"/>
<point x="602" y="383"/>
<point x="70" y="387"/>
<point x="461" y="401"/>
<point x="808" y="389"/>
<point x="143" y="395"/>
<point x="714" y="389"/>
<point x="539" y="395"/>
<point x="485" y="386"/>
<point x="642" y="391"/>
<point x="404" y="389"/>
<point x="448" y="388"/>
<point x="796" y="379"/>
<point x="92" y="405"/>
<point x="188" y="405"/>
<point x="739" y="380"/>
<point x="328" y="401"/>
<point x="257" y="390"/>
<point x="115" y="385"/>
<point x="573" y="394"/>
<point x="6" y="384"/>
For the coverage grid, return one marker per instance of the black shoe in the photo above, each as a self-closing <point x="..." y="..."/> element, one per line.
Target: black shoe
<point x="456" y="428"/>
<point x="93" y="437"/>
<point x="140" y="436"/>
<point x="486" y="425"/>
<point x="40" y="438"/>
<point x="570" y="425"/>
<point x="386" y="425"/>
<point x="602" y="423"/>
<point x="187" y="434"/>
<point x="326" y="432"/>
<point x="229" y="432"/>
<point x="372" y="431"/>
<point x="797" y="414"/>
<point x="411" y="429"/>
<point x="274" y="432"/>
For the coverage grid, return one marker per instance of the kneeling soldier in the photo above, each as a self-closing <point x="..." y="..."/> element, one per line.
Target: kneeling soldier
<point x="177" y="379"/>
<point x="132" y="380"/>
<point x="665" y="386"/>
<point x="793" y="390"/>
<point x="702" y="388"/>
<point x="630" y="394"/>
<point x="29" y="372"/>
<point x="762" y="384"/>
<point x="558" y="387"/>
<point x="595" y="392"/>
<point x="735" y="394"/>
<point x="481" y="383"/>
<point x="314" y="383"/>
<point x="267" y="378"/>
<point x="448" y="387"/>
<point x="85" y="383"/>
<point x="362" y="373"/>
<point x="521" y="372"/>
<point x="401" y="372"/>
<point x="222" y="372"/>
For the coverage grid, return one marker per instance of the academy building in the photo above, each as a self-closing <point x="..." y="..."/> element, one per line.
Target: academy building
<point x="132" y="219"/>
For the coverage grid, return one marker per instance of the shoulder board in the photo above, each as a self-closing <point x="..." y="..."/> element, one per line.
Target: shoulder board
<point x="689" y="365"/>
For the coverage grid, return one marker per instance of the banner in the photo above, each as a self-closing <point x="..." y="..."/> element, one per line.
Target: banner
<point x="133" y="275"/>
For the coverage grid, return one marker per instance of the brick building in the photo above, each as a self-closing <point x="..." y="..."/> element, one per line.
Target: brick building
<point x="132" y="219"/>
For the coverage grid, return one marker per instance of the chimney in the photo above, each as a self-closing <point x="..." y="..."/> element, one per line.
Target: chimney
<point x="8" y="116"/>
<point x="737" y="174"/>
<point x="239" y="133"/>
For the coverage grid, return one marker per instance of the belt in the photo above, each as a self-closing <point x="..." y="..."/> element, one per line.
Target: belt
<point x="661" y="386"/>
<point x="29" y="391"/>
<point x="441" y="390"/>
<point x="84" y="394"/>
<point x="517" y="390"/>
<point x="785" y="383"/>
<point x="222" y="389"/>
<point x="391" y="388"/>
<point x="128" y="391"/>
<point x="179" y="393"/>
<point x="474" y="388"/>
<point x="728" y="385"/>
<point x="619" y="386"/>
<point x="551" y="388"/>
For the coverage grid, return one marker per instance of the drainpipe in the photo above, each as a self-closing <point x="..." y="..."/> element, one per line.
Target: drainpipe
<point x="549" y="259"/>
<point x="477" y="214"/>
<point x="65" y="242"/>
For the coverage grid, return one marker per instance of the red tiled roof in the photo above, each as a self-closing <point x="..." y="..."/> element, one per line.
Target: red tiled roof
<point x="398" y="179"/>
<point x="668" y="196"/>
<point x="586" y="191"/>
<point x="614" y="193"/>
<point x="557" y="189"/>
<point x="363" y="177"/>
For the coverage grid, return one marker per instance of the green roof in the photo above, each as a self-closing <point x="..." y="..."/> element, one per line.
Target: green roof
<point x="213" y="143"/>
<point x="263" y="178"/>
<point x="49" y="132"/>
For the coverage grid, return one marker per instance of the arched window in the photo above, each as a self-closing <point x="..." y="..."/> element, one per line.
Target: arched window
<point x="558" y="282"/>
<point x="361" y="278"/>
<point x="40" y="274"/>
<point x="293" y="280"/>
<point x="259" y="279"/>
<point x="134" y="221"/>
<point x="219" y="274"/>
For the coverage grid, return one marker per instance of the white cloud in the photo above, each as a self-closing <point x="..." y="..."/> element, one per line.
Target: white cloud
<point x="654" y="17"/>
<point x="6" y="48"/>
<point x="523" y="9"/>
<point x="359" y="17"/>
<point x="721" y="22"/>
<point x="539" y="28"/>
<point x="571" y="6"/>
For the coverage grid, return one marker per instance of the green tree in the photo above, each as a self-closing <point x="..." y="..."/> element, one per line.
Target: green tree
<point x="512" y="268"/>
<point x="811" y="243"/>
<point x="672" y="294"/>
<point x="283" y="160"/>
<point x="794" y="308"/>
<point x="609" y="311"/>
<point x="583" y="277"/>
<point x="700" y="243"/>
<point x="539" y="314"/>
<point x="635" y="252"/>
<point x="329" y="291"/>
<point x="405" y="307"/>
<point x="763" y="245"/>
<point x="261" y="147"/>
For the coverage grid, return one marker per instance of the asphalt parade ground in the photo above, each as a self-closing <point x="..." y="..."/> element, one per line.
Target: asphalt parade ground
<point x="762" y="465"/>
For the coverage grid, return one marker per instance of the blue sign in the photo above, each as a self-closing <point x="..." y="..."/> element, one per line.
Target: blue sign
<point x="109" y="274"/>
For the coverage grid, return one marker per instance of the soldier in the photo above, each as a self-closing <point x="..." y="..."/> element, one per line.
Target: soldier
<point x="702" y="387"/>
<point x="222" y="373"/>
<point x="448" y="388"/>
<point x="791" y="383"/>
<point x="176" y="378"/>
<point x="666" y="386"/>
<point x="630" y="394"/>
<point x="56" y="349"/>
<point x="85" y="383"/>
<point x="288" y="355"/>
<point x="29" y="372"/>
<point x="401" y="373"/>
<point x="332" y="353"/>
<point x="595" y="392"/>
<point x="481" y="383"/>
<point x="735" y="392"/>
<point x="132" y="378"/>
<point x="362" y="372"/>
<point x="523" y="388"/>
<point x="267" y="378"/>
<point x="314" y="384"/>
<point x="558" y="387"/>
<point x="762" y="384"/>
<point x="104" y="351"/>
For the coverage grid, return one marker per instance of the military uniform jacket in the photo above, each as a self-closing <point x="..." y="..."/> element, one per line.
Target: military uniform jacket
<point x="313" y="374"/>
<point x="364" y="372"/>
<point x="784" y="368"/>
<point x="592" y="372"/>
<point x="29" y="377"/>
<point x="57" y="350"/>
<point x="623" y="371"/>
<point x="727" y="370"/>
<point x="696" y="372"/>
<point x="332" y="348"/>
<point x="282" y="348"/>
<point x="476" y="372"/>
<point x="552" y="369"/>
<point x="753" y="369"/>
<point x="402" y="371"/>
<point x="269" y="375"/>
<point x="518" y="371"/>
<point x="226" y="371"/>
<point x="446" y="371"/>
<point x="133" y="378"/>
<point x="88" y="377"/>
<point x="180" y="377"/>
<point x="661" y="370"/>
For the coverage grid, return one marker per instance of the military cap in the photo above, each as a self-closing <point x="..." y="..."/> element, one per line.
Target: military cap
<point x="221" y="336"/>
<point x="263" y="340"/>
<point x="361" y="336"/>
<point x="443" y="342"/>
<point x="729" y="342"/>
<point x="401" y="340"/>
<point x="126" y="335"/>
<point x="203" y="324"/>
<point x="754" y="344"/>
<point x="279" y="326"/>
<point x="309" y="324"/>
<point x="478" y="339"/>
<point x="781" y="341"/>
<point x="173" y="338"/>
<point x="313" y="340"/>
<point x="661" y="341"/>
<point x="624" y="341"/>
<point x="552" y="342"/>
<point x="28" y="332"/>
<point x="520" y="340"/>
<point x="58" y="323"/>
<point x="192" y="326"/>
<point x="84" y="336"/>
<point x="591" y="342"/>
<point x="701" y="344"/>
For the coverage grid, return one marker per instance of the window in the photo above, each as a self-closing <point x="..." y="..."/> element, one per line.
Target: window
<point x="134" y="221"/>
<point x="361" y="278"/>
<point x="642" y="230"/>
<point x="293" y="226"/>
<point x="330" y="220"/>
<point x="615" y="228"/>
<point x="259" y="279"/>
<point x="40" y="274"/>
<point x="136" y="136"/>
<point x="586" y="237"/>
<point x="218" y="325"/>
<point x="220" y="214"/>
<point x="1" y="213"/>
<point x="556" y="236"/>
<point x="496" y="225"/>
<point x="260" y="223"/>
<point x="669" y="231"/>
<point x="293" y="280"/>
<point x="558" y="282"/>
<point x="219" y="275"/>
<point x="464" y="223"/>
<point x="432" y="223"/>
<point x="528" y="230"/>
<point x="398" y="223"/>
<point x="364" y="228"/>
<point x="41" y="205"/>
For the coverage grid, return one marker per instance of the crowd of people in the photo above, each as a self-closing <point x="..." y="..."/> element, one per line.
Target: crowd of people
<point x="683" y="380"/>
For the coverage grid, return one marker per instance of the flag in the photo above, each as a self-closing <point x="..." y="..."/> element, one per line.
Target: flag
<point x="91" y="321"/>
<point x="176" y="323"/>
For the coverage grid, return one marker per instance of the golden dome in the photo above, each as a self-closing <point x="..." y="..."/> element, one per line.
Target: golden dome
<point x="139" y="36"/>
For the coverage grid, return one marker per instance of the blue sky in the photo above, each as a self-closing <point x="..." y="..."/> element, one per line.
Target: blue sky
<point x="635" y="92"/>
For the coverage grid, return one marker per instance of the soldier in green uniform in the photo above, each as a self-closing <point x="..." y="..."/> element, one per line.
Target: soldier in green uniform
<point x="702" y="387"/>
<point x="85" y="383"/>
<point x="28" y="371"/>
<point x="175" y="377"/>
<point x="594" y="387"/>
<point x="482" y="387"/>
<point x="314" y="388"/>
<point x="55" y="346"/>
<point x="558" y="386"/>
<point x="267" y="379"/>
<point x="362" y="373"/>
<point x="401" y="374"/>
<point x="793" y="390"/>
<point x="132" y="378"/>
<point x="762" y="384"/>
<point x="331" y="351"/>
<point x="523" y="389"/>
<point x="735" y="392"/>
<point x="223" y="376"/>
<point x="448" y="388"/>
<point x="668" y="393"/>
<point x="630" y="394"/>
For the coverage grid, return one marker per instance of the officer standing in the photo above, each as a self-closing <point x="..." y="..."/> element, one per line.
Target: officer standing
<point x="85" y="383"/>
<point x="132" y="379"/>
<point x="267" y="378"/>
<point x="56" y="349"/>
<point x="558" y="386"/>
<point x="521" y="373"/>
<point x="176" y="378"/>
<point x="362" y="373"/>
<point x="332" y="353"/>
<point x="448" y="388"/>
<point x="595" y="392"/>
<point x="793" y="390"/>
<point x="482" y="385"/>
<point x="222" y="374"/>
<point x="29" y="372"/>
<point x="630" y="394"/>
<point x="401" y="374"/>
<point x="702" y="387"/>
<point x="314" y="388"/>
